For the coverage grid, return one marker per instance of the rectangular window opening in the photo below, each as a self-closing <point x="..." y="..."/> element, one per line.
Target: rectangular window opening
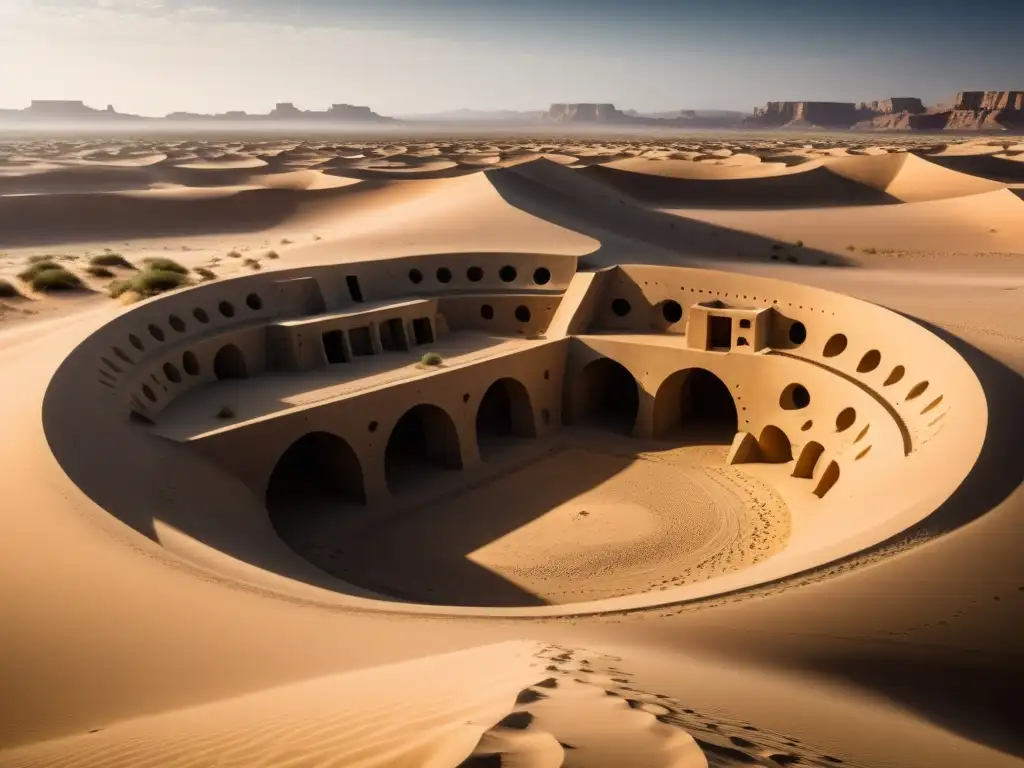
<point x="353" y="288"/>
<point x="719" y="332"/>
<point x="392" y="336"/>
<point x="361" y="340"/>
<point x="334" y="347"/>
<point x="423" y="330"/>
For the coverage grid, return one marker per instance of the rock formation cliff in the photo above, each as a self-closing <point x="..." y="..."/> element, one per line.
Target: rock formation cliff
<point x="805" y="114"/>
<point x="587" y="113"/>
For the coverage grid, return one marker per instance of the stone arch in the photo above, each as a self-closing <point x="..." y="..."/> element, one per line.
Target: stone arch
<point x="505" y="412"/>
<point x="695" y="404"/>
<point x="828" y="479"/>
<point x="605" y="393"/>
<point x="318" y="472"/>
<point x="808" y="460"/>
<point x="775" y="446"/>
<point x="229" y="363"/>
<point x="422" y="442"/>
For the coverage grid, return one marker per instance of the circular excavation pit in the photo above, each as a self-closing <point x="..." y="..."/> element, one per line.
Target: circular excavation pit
<point x="654" y="435"/>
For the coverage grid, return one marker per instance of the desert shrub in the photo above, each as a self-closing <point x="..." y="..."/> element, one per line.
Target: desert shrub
<point x="151" y="281"/>
<point x="234" y="254"/>
<point x="226" y="413"/>
<point x="872" y="251"/>
<point x="206" y="274"/>
<point x="799" y="243"/>
<point x="98" y="271"/>
<point x="58" y="279"/>
<point x="851" y="247"/>
<point x="111" y="260"/>
<point x="273" y="255"/>
<point x="37" y="259"/>
<point x="431" y="358"/>
<point x="42" y="265"/>
<point x="285" y="241"/>
<point x="118" y="288"/>
<point x="8" y="290"/>
<point x="164" y="265"/>
<point x="251" y="263"/>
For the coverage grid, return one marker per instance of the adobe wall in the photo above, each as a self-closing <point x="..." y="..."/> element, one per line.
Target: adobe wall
<point x="365" y="420"/>
<point x="918" y="395"/>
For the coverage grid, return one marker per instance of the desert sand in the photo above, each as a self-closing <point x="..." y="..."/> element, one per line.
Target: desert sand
<point x="556" y="586"/>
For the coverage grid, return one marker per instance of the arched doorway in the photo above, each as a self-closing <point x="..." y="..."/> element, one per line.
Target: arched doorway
<point x="317" y="474"/>
<point x="694" y="405"/>
<point x="423" y="442"/>
<point x="229" y="363"/>
<point x="504" y="414"/>
<point x="606" y="395"/>
<point x="775" y="446"/>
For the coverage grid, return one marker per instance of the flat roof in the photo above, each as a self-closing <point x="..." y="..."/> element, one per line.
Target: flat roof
<point x="192" y="415"/>
<point x="354" y="311"/>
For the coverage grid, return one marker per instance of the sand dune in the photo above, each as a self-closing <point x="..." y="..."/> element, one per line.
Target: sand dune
<point x="570" y="595"/>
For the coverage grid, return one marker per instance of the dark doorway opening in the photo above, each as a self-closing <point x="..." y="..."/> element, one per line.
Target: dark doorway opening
<point x="361" y="341"/>
<point x="695" y="406"/>
<point x="422" y="443"/>
<point x="605" y="395"/>
<point x="504" y="416"/>
<point x="392" y="336"/>
<point x="422" y="330"/>
<point x="334" y="347"/>
<point x="353" y="288"/>
<point x="229" y="363"/>
<point x="719" y="332"/>
<point x="318" y="474"/>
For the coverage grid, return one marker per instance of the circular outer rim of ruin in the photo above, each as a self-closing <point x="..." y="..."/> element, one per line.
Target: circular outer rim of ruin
<point x="119" y="496"/>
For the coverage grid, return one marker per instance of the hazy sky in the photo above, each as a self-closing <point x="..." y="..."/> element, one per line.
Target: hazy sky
<point x="404" y="56"/>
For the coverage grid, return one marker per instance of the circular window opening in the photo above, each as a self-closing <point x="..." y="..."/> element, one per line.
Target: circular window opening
<point x="870" y="361"/>
<point x="845" y="419"/>
<point x="227" y="309"/>
<point x="672" y="311"/>
<point x="190" y="363"/>
<point x="621" y="307"/>
<point x="172" y="373"/>
<point x="200" y="314"/>
<point x="156" y="332"/>
<point x="523" y="314"/>
<point x="415" y="276"/>
<point x="148" y="393"/>
<point x="794" y="397"/>
<point x="835" y="346"/>
<point x="465" y="398"/>
<point x="373" y="426"/>
<point x="176" y="323"/>
<point x="797" y="333"/>
<point x="806" y="426"/>
<point x="444" y="275"/>
<point x="542" y="275"/>
<point x="254" y="302"/>
<point x="487" y="312"/>
<point x="135" y="341"/>
<point x="474" y="274"/>
<point x="507" y="273"/>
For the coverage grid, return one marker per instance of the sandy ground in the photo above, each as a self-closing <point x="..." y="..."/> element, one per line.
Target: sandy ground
<point x="909" y="655"/>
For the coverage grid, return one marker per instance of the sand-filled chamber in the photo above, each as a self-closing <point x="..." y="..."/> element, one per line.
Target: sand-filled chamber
<point x="664" y="434"/>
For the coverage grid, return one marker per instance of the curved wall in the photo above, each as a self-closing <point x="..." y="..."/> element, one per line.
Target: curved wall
<point x="923" y="440"/>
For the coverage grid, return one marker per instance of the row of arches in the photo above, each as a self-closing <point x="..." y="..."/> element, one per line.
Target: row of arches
<point x="692" y="402"/>
<point x="321" y="468"/>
